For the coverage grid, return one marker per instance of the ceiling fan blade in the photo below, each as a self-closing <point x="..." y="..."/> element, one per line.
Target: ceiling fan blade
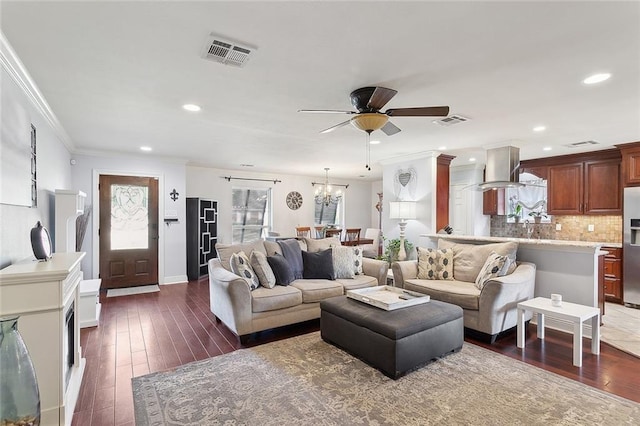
<point x="332" y="128"/>
<point x="390" y="129"/>
<point x="327" y="111"/>
<point x="438" y="111"/>
<point x="380" y="97"/>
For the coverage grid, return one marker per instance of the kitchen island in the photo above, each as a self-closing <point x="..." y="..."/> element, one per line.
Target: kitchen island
<point x="570" y="268"/>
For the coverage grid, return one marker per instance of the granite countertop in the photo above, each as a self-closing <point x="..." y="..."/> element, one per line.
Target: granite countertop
<point x="532" y="241"/>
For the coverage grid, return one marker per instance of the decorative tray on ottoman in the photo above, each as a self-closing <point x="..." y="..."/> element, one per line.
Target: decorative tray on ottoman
<point x="387" y="297"/>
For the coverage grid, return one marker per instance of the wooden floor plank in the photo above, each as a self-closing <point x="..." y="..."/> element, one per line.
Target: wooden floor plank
<point x="151" y="332"/>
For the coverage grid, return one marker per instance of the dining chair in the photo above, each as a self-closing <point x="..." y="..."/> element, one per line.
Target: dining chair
<point x="303" y="231"/>
<point x="352" y="235"/>
<point x="333" y="233"/>
<point x="319" y="231"/>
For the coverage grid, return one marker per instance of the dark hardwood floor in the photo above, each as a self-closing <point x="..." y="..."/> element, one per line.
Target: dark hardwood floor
<point x="151" y="332"/>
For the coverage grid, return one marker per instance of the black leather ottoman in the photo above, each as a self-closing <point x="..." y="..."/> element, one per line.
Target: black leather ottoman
<point x="392" y="341"/>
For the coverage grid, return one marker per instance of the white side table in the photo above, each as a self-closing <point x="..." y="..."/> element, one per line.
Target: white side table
<point x="575" y="313"/>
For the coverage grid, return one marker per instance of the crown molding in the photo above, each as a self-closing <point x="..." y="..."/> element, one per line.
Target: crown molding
<point x="18" y="73"/>
<point x="409" y="157"/>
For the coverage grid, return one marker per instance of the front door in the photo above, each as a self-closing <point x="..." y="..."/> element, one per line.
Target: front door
<point x="128" y="231"/>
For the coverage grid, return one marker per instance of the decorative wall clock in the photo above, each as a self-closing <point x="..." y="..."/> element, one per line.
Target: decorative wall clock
<point x="294" y="200"/>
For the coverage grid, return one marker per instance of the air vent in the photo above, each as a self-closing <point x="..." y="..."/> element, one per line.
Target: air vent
<point x="225" y="51"/>
<point x="581" y="144"/>
<point x="451" y="120"/>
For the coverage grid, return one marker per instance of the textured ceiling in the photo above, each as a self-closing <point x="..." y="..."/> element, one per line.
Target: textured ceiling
<point x="117" y="73"/>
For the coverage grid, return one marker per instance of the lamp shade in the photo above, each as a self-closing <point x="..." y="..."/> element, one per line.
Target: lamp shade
<point x="402" y="209"/>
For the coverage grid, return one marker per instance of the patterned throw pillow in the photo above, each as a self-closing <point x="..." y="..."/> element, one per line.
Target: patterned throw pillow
<point x="491" y="269"/>
<point x="357" y="260"/>
<point x="435" y="264"/>
<point x="240" y="265"/>
<point x="262" y="269"/>
<point x="343" y="261"/>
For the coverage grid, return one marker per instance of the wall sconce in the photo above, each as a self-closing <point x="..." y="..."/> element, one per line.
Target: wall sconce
<point x="402" y="210"/>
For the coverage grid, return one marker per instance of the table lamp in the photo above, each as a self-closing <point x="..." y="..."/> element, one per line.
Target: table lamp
<point x="403" y="210"/>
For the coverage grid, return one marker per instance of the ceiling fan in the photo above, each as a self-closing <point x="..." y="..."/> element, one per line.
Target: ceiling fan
<point x="368" y="101"/>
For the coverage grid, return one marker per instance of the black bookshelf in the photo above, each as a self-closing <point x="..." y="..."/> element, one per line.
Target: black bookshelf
<point x="202" y="235"/>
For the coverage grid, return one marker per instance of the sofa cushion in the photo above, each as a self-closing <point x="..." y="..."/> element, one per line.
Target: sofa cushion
<point x="225" y="251"/>
<point x="468" y="259"/>
<point x="293" y="254"/>
<point x="491" y="269"/>
<point x="241" y="266"/>
<point x="281" y="269"/>
<point x="343" y="261"/>
<point x="271" y="299"/>
<point x="261" y="267"/>
<point x="318" y="265"/>
<point x="315" y="290"/>
<point x="314" y="245"/>
<point x="464" y="294"/>
<point x="359" y="281"/>
<point x="435" y="264"/>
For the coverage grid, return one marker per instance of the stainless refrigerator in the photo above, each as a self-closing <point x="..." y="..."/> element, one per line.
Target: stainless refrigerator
<point x="631" y="247"/>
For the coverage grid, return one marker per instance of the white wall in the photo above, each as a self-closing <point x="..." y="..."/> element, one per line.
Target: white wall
<point x="425" y="166"/>
<point x="172" y="261"/>
<point x="209" y="183"/>
<point x="52" y="167"/>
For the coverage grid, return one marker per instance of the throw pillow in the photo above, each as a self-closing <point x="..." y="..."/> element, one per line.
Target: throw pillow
<point x="343" y="261"/>
<point x="509" y="266"/>
<point x="314" y="245"/>
<point x="469" y="258"/>
<point x="435" y="264"/>
<point x="240" y="265"/>
<point x="357" y="260"/>
<point x="281" y="269"/>
<point x="293" y="253"/>
<point x="318" y="265"/>
<point x="262" y="269"/>
<point x="491" y="268"/>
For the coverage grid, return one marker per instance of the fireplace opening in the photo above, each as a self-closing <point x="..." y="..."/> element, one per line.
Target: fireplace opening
<point x="69" y="344"/>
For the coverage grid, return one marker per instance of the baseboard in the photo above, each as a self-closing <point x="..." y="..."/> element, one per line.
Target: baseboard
<point x="563" y="325"/>
<point x="178" y="279"/>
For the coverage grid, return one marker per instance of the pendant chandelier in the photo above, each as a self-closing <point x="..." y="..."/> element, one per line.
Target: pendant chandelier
<point x="324" y="193"/>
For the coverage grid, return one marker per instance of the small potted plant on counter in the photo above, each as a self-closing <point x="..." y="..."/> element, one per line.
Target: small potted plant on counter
<point x="517" y="213"/>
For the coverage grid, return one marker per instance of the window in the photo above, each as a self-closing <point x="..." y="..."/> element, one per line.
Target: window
<point x="251" y="214"/>
<point x="328" y="214"/>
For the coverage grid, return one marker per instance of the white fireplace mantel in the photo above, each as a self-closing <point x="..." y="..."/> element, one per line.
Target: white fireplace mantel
<point x="41" y="294"/>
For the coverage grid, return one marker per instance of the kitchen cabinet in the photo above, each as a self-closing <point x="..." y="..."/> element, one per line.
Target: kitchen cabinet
<point x="539" y="171"/>
<point x="613" y="274"/>
<point x="630" y="164"/>
<point x="588" y="187"/>
<point x="493" y="202"/>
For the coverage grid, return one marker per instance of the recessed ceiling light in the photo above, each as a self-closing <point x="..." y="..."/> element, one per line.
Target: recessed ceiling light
<point x="442" y="148"/>
<point x="547" y="148"/>
<point x="597" y="78"/>
<point x="374" y="142"/>
<point x="539" y="129"/>
<point x="191" y="107"/>
<point x="145" y="148"/>
<point x="472" y="159"/>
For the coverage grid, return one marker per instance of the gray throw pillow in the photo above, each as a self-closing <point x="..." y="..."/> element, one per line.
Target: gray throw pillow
<point x="240" y="265"/>
<point x="262" y="269"/>
<point x="318" y="265"/>
<point x="281" y="269"/>
<point x="343" y="261"/>
<point x="292" y="252"/>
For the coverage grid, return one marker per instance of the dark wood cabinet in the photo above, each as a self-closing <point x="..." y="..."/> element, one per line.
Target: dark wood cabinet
<point x="613" y="274"/>
<point x="602" y="188"/>
<point x="565" y="189"/>
<point x="539" y="171"/>
<point x="442" y="190"/>
<point x="493" y="202"/>
<point x="630" y="164"/>
<point x="202" y="235"/>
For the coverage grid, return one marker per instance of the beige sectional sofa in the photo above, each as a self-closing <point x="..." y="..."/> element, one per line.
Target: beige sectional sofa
<point x="244" y="311"/>
<point x="489" y="310"/>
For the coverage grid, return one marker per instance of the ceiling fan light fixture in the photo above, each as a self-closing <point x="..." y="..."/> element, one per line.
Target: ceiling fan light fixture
<point x="369" y="121"/>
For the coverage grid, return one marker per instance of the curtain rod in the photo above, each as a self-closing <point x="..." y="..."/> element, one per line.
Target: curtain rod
<point x="331" y="184"/>
<point x="228" y="178"/>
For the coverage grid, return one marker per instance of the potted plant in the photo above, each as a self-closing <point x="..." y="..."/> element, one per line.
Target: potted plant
<point x="517" y="213"/>
<point x="537" y="215"/>
<point x="392" y="247"/>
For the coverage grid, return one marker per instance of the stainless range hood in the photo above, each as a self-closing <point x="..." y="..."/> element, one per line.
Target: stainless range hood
<point x="502" y="169"/>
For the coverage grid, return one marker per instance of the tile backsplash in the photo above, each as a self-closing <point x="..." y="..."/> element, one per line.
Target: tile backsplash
<point x="574" y="228"/>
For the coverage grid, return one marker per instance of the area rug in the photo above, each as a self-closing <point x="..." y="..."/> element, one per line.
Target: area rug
<point x="305" y="381"/>
<point x="128" y="291"/>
